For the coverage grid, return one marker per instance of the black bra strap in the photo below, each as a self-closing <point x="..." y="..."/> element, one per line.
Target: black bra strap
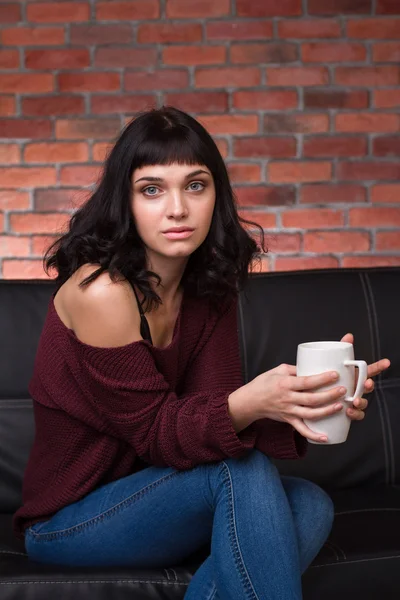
<point x="144" y="326"/>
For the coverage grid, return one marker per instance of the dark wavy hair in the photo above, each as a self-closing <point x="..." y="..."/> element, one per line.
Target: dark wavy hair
<point x="102" y="230"/>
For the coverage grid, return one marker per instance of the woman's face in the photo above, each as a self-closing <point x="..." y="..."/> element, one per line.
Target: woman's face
<point x="170" y="196"/>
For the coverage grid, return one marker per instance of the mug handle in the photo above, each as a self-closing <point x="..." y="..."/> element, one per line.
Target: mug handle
<point x="362" y="377"/>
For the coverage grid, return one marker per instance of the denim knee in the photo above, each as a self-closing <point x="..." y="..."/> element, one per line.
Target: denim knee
<point x="319" y="503"/>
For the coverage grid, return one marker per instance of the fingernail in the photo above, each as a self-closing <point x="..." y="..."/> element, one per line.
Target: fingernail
<point x="323" y="439"/>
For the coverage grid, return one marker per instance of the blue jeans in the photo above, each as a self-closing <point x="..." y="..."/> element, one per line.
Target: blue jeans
<point x="264" y="529"/>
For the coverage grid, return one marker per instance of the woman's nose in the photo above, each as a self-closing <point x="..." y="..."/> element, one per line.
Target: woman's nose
<point x="177" y="205"/>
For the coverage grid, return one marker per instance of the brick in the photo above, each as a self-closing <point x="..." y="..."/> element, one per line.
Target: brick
<point x="167" y="33"/>
<point x="233" y="124"/>
<point x="25" y="128"/>
<point x="270" y="52"/>
<point x="366" y="122"/>
<point x="25" y="177"/>
<point x="228" y="76"/>
<point x="387" y="7"/>
<point x="9" y="154"/>
<point x="98" y="35"/>
<point x="53" y="105"/>
<point x="89" y="82"/>
<point x="260" y="264"/>
<point x="120" y="57"/>
<point x="386" y="52"/>
<point x="222" y="146"/>
<point x="9" y="59"/>
<point x="269" y="8"/>
<point x="266" y="220"/>
<point x="56" y="152"/>
<point x="194" y="55"/>
<point x="280" y="195"/>
<point x="40" y="243"/>
<point x="334" y="145"/>
<point x="1" y="222"/>
<point x="7" y="106"/>
<point x="309" y="28"/>
<point x="297" y="76"/>
<point x="371" y="261"/>
<point x="367" y="76"/>
<point x="300" y="263"/>
<point x="388" y="240"/>
<point x="338" y="7"/>
<point x="58" y="12"/>
<point x="11" y="245"/>
<point x="296" y="123"/>
<point x="10" y="13"/>
<point x="57" y="59"/>
<point x="13" y="200"/>
<point x="25" y="83"/>
<point x="58" y="199"/>
<point x="244" y="172"/>
<point x="368" y="170"/>
<point x="265" y="99"/>
<point x="265" y="147"/>
<point x="158" y="79"/>
<point x="195" y="102"/>
<point x="333" y="52"/>
<point x="378" y="29"/>
<point x="299" y="171"/>
<point x="386" y="192"/>
<point x="122" y="103"/>
<point x="336" y="241"/>
<point x="192" y="9"/>
<point x="132" y="10"/>
<point x="332" y="194"/>
<point x="386" y="146"/>
<point x="284" y="242"/>
<point x="387" y="98"/>
<point x="24" y="269"/>
<point x="330" y="98"/>
<point x="81" y="129"/>
<point x="80" y="175"/>
<point x="374" y="217"/>
<point x="101" y="150"/>
<point x="38" y="223"/>
<point x="312" y="218"/>
<point x="33" y="36"/>
<point x="239" y="30"/>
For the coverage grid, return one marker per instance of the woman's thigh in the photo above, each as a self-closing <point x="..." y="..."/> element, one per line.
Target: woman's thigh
<point x="155" y="517"/>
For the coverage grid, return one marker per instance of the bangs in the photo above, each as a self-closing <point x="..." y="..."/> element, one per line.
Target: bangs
<point x="172" y="145"/>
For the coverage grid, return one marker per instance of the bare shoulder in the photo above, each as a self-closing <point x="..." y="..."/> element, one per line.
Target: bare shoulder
<point x="104" y="313"/>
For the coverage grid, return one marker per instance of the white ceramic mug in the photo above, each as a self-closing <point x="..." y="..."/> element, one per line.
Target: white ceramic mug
<point x="318" y="357"/>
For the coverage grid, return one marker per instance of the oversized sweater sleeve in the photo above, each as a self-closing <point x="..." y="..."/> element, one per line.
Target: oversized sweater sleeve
<point x="273" y="438"/>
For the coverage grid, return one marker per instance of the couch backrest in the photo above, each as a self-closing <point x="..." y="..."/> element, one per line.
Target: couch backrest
<point x="280" y="310"/>
<point x="276" y="312"/>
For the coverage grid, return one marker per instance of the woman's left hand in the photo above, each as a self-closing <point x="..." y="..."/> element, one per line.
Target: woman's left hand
<point x="356" y="411"/>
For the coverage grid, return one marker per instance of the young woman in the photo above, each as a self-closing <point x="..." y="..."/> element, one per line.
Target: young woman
<point x="148" y="445"/>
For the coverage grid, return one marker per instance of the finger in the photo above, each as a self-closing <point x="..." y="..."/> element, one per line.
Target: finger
<point x="354" y="414"/>
<point x="360" y="403"/>
<point x="369" y="386"/>
<point x="349" y="337"/>
<point x="313" y="414"/>
<point x="305" y="431"/>
<point x="377" y="367"/>
<point x="309" y="382"/>
<point x="313" y="399"/>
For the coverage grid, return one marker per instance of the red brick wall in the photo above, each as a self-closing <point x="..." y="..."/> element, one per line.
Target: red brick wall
<point x="302" y="97"/>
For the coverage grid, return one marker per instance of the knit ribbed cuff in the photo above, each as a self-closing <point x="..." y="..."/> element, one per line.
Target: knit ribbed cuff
<point x="231" y="443"/>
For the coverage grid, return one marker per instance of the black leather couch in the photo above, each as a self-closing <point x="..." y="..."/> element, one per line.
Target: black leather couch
<point x="277" y="311"/>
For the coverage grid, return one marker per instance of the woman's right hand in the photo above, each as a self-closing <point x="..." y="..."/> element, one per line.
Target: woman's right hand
<point x="282" y="396"/>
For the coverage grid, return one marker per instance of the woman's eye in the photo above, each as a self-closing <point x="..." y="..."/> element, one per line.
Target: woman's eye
<point x="149" y="189"/>
<point x="197" y="183"/>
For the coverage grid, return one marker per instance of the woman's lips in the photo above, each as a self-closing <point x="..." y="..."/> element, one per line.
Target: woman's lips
<point x="178" y="235"/>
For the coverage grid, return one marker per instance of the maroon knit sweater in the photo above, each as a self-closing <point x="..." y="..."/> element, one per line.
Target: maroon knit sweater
<point x="104" y="413"/>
